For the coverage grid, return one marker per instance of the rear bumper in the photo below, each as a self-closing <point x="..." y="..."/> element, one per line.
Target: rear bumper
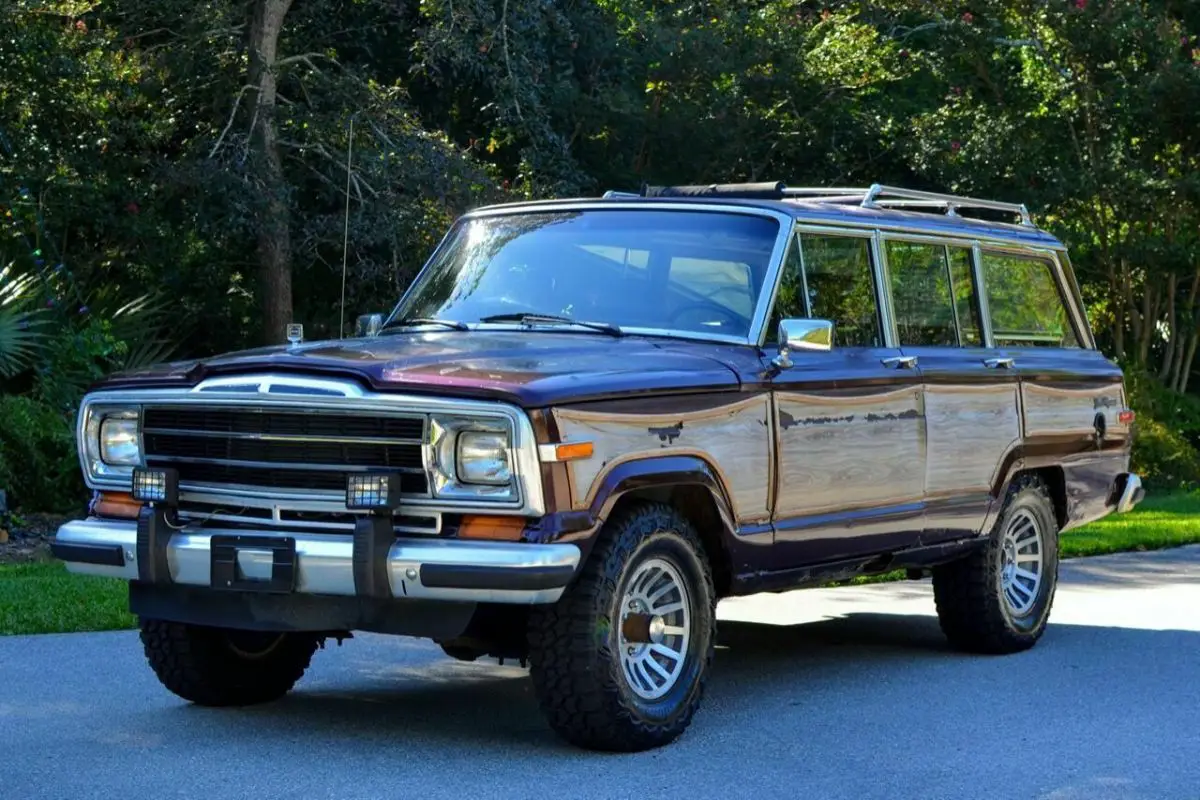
<point x="425" y="569"/>
<point x="1129" y="492"/>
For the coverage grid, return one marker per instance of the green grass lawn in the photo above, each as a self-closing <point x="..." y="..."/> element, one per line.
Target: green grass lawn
<point x="45" y="598"/>
<point x="1168" y="520"/>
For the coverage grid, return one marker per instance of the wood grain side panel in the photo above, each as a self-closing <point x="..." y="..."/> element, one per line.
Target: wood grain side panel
<point x="970" y="428"/>
<point x="1052" y="410"/>
<point x="734" y="438"/>
<point x="839" y="453"/>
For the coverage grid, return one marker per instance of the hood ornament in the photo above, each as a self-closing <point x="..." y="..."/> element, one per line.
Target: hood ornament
<point x="295" y="333"/>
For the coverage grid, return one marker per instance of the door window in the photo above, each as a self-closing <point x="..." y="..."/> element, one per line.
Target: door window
<point x="933" y="294"/>
<point x="838" y="284"/>
<point x="1024" y="302"/>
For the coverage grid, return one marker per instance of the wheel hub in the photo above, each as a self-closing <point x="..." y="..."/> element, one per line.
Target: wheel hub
<point x="1021" y="563"/>
<point x="655" y="628"/>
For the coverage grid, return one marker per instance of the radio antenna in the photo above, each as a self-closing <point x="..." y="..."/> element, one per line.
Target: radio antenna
<point x="346" y="232"/>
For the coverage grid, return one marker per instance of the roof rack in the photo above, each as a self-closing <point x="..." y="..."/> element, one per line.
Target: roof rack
<point x="876" y="196"/>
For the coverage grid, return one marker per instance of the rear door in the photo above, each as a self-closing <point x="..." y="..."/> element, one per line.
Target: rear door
<point x="970" y="396"/>
<point x="1071" y="395"/>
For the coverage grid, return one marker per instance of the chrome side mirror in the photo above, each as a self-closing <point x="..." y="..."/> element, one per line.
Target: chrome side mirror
<point x="802" y="334"/>
<point x="368" y="325"/>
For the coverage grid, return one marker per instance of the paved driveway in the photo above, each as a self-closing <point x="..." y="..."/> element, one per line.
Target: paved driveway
<point x="831" y="693"/>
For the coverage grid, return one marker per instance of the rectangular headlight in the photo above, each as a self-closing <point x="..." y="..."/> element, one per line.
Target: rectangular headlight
<point x="109" y="443"/>
<point x="119" y="442"/>
<point x="483" y="458"/>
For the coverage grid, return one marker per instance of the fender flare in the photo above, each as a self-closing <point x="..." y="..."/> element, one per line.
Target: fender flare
<point x="668" y="470"/>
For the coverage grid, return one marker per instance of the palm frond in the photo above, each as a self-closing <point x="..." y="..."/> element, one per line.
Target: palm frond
<point x="21" y="326"/>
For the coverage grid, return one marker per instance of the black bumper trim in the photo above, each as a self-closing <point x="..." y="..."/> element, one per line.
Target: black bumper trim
<point x="108" y="555"/>
<point x="470" y="576"/>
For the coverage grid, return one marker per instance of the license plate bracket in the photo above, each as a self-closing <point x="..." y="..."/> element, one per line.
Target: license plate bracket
<point x="227" y="570"/>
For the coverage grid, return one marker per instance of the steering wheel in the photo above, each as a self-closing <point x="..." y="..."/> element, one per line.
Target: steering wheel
<point x="730" y="316"/>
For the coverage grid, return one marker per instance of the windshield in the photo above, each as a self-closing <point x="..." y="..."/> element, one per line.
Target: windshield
<point x="671" y="270"/>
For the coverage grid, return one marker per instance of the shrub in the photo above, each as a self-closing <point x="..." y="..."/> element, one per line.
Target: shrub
<point x="38" y="464"/>
<point x="1165" y="451"/>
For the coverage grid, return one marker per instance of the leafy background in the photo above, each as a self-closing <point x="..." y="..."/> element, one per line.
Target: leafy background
<point x="164" y="164"/>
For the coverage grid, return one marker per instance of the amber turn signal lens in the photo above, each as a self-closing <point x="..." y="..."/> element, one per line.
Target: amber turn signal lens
<point x="116" y="504"/>
<point x="1125" y="417"/>
<point x="572" y="451"/>
<point x="507" y="529"/>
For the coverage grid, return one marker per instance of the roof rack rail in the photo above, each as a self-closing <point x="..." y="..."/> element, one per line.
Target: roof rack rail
<point x="876" y="196"/>
<point x="879" y="196"/>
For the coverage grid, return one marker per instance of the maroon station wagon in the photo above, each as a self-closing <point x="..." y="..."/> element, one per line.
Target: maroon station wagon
<point x="589" y="420"/>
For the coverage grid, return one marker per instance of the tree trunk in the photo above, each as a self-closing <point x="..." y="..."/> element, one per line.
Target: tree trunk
<point x="1181" y="382"/>
<point x="274" y="232"/>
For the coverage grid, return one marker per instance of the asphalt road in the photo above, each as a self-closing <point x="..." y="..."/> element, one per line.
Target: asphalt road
<point x="830" y="693"/>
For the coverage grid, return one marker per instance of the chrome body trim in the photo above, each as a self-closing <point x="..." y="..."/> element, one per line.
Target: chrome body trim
<point x="324" y="564"/>
<point x="527" y="497"/>
<point x="883" y="291"/>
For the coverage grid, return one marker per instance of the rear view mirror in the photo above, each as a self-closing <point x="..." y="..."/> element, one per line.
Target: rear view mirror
<point x="802" y="334"/>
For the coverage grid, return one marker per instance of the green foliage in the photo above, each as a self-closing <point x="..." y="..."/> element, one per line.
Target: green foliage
<point x="38" y="464"/>
<point x="1166" y="450"/>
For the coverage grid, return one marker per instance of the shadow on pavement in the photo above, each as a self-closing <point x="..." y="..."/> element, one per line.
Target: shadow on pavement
<point x="828" y="669"/>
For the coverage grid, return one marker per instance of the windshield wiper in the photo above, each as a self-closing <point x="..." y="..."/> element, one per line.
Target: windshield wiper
<point x="529" y="318"/>
<point x="411" y="321"/>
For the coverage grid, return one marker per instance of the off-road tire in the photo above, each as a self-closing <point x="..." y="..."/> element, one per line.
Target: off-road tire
<point x="206" y="667"/>
<point x="573" y="644"/>
<point x="970" y="603"/>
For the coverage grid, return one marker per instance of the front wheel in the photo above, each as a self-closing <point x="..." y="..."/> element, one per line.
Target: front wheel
<point x="998" y="599"/>
<point x="620" y="662"/>
<point x="225" y="667"/>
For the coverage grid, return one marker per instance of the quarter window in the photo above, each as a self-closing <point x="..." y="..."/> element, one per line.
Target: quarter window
<point x="1024" y="302"/>
<point x="933" y="294"/>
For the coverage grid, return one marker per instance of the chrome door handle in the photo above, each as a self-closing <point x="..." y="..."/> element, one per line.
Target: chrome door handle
<point x="998" y="363"/>
<point x="900" y="362"/>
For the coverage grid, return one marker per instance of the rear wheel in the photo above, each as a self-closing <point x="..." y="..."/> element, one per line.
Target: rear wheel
<point x="620" y="662"/>
<point x="998" y="599"/>
<point x="225" y="667"/>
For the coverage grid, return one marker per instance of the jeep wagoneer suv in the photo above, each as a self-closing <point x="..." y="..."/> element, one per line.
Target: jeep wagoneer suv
<point x="588" y="420"/>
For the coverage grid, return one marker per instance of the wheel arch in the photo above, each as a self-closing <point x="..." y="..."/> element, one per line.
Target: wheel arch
<point x="688" y="483"/>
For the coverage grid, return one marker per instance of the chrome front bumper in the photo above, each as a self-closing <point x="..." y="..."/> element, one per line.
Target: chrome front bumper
<point x="428" y="569"/>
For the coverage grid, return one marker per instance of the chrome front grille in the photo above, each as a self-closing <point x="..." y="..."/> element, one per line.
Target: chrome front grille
<point x="283" y="449"/>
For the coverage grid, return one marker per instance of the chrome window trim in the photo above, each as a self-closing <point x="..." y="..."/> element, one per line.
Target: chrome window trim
<point x="985" y="310"/>
<point x="762" y="303"/>
<point x="883" y="291"/>
<point x="1070" y="289"/>
<point x="528" y="501"/>
<point x="805" y="217"/>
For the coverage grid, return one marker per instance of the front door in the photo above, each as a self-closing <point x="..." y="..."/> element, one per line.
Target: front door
<point x="849" y="427"/>
<point x="971" y="404"/>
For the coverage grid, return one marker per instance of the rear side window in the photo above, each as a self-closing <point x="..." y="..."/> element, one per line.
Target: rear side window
<point x="1024" y="302"/>
<point x="933" y="294"/>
